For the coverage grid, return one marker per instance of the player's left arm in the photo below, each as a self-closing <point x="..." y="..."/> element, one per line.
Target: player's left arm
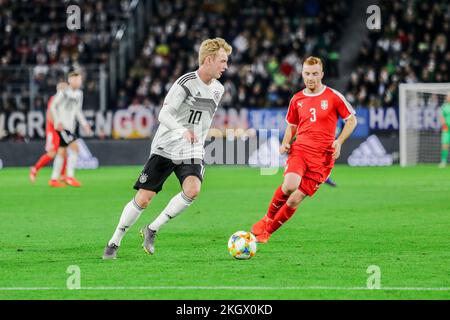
<point x="81" y="118"/>
<point x="350" y="125"/>
<point x="346" y="112"/>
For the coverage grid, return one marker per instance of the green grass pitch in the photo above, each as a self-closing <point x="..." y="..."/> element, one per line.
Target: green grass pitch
<point x="397" y="219"/>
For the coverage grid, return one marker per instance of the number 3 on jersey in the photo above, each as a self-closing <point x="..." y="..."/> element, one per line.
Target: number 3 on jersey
<point x="313" y="115"/>
<point x="195" y="116"/>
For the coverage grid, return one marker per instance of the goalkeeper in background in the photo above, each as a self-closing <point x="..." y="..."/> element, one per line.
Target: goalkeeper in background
<point x="445" y="122"/>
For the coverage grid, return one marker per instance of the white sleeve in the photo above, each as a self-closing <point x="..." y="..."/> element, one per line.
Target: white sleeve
<point x="172" y="103"/>
<point x="54" y="108"/>
<point x="79" y="114"/>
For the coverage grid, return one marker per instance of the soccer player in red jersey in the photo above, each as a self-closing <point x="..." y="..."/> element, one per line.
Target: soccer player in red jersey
<point x="51" y="139"/>
<point x="312" y="118"/>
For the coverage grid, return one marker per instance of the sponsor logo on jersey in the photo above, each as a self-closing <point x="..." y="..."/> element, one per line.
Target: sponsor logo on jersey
<point x="370" y="153"/>
<point x="324" y="104"/>
<point x="300" y="104"/>
<point x="143" y="178"/>
<point x="198" y="94"/>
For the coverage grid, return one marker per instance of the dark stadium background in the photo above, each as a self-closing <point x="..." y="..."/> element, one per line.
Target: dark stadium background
<point x="131" y="51"/>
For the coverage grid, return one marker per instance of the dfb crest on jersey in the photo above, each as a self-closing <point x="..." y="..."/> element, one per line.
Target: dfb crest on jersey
<point x="324" y="104"/>
<point x="216" y="96"/>
<point x="143" y="178"/>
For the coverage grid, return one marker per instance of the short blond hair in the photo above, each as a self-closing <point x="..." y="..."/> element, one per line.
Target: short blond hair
<point x="73" y="74"/>
<point x="211" y="47"/>
<point x="310" y="61"/>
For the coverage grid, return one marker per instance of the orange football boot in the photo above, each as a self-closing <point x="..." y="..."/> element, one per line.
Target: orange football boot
<point x="263" y="237"/>
<point x="56" y="184"/>
<point x="71" y="181"/>
<point x="259" y="227"/>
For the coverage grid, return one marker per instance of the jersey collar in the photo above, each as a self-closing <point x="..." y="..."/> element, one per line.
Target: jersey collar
<point x="315" y="94"/>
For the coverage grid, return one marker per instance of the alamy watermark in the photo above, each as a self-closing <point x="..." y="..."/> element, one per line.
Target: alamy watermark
<point x="374" y="20"/>
<point x="259" y="149"/>
<point x="73" y="21"/>
<point x="374" y="280"/>
<point x="74" y="279"/>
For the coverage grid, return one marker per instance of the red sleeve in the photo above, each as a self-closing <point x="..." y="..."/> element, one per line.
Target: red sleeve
<point x="292" y="114"/>
<point x="343" y="107"/>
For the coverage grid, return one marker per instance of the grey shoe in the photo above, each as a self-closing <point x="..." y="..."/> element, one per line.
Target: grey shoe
<point x="110" y="252"/>
<point x="149" y="239"/>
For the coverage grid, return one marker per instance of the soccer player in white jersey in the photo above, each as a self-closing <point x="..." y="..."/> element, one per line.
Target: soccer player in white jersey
<point x="178" y="145"/>
<point x="66" y="110"/>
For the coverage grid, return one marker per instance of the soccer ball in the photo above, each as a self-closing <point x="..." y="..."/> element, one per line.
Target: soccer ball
<point x="242" y="245"/>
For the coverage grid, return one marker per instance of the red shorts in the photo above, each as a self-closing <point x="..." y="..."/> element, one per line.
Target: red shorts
<point x="51" y="140"/>
<point x="314" y="168"/>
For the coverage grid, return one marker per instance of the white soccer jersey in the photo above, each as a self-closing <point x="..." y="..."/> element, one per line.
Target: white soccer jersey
<point x="189" y="104"/>
<point x="66" y="109"/>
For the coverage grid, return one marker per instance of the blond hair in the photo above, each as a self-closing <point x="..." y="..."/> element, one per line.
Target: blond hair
<point x="73" y="74"/>
<point x="313" y="60"/>
<point x="211" y="47"/>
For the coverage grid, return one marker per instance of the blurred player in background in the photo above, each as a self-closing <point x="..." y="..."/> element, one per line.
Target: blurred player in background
<point x="445" y="138"/>
<point x="51" y="139"/>
<point x="178" y="145"/>
<point x="312" y="115"/>
<point x="66" y="110"/>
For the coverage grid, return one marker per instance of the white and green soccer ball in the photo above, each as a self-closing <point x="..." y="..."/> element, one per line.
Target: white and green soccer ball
<point x="242" y="245"/>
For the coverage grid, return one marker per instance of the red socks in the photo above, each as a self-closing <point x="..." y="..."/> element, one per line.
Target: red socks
<point x="283" y="215"/>
<point x="278" y="200"/>
<point x="42" y="162"/>
<point x="63" y="170"/>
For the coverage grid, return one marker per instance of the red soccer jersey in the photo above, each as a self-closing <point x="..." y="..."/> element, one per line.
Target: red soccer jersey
<point x="49" y="122"/>
<point x="316" y="117"/>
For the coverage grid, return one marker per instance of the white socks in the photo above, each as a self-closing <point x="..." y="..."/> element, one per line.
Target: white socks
<point x="57" y="166"/>
<point x="71" y="164"/>
<point x="129" y="216"/>
<point x="132" y="211"/>
<point x="175" y="206"/>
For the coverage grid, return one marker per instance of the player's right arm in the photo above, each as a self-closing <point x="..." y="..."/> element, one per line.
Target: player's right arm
<point x="289" y="135"/>
<point x="172" y="103"/>
<point x="292" y="124"/>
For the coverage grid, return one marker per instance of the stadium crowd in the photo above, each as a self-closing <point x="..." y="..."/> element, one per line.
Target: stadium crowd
<point x="412" y="46"/>
<point x="34" y="33"/>
<point x="269" y="42"/>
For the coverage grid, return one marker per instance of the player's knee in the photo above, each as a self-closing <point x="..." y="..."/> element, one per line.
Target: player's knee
<point x="62" y="152"/>
<point x="289" y="187"/>
<point x="191" y="191"/>
<point x="295" y="199"/>
<point x="51" y="154"/>
<point x="143" y="197"/>
<point x="74" y="147"/>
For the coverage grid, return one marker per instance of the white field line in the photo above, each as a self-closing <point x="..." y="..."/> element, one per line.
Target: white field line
<point x="235" y="288"/>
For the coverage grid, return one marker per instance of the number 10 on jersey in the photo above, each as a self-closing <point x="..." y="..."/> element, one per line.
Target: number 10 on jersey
<point x="195" y="116"/>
